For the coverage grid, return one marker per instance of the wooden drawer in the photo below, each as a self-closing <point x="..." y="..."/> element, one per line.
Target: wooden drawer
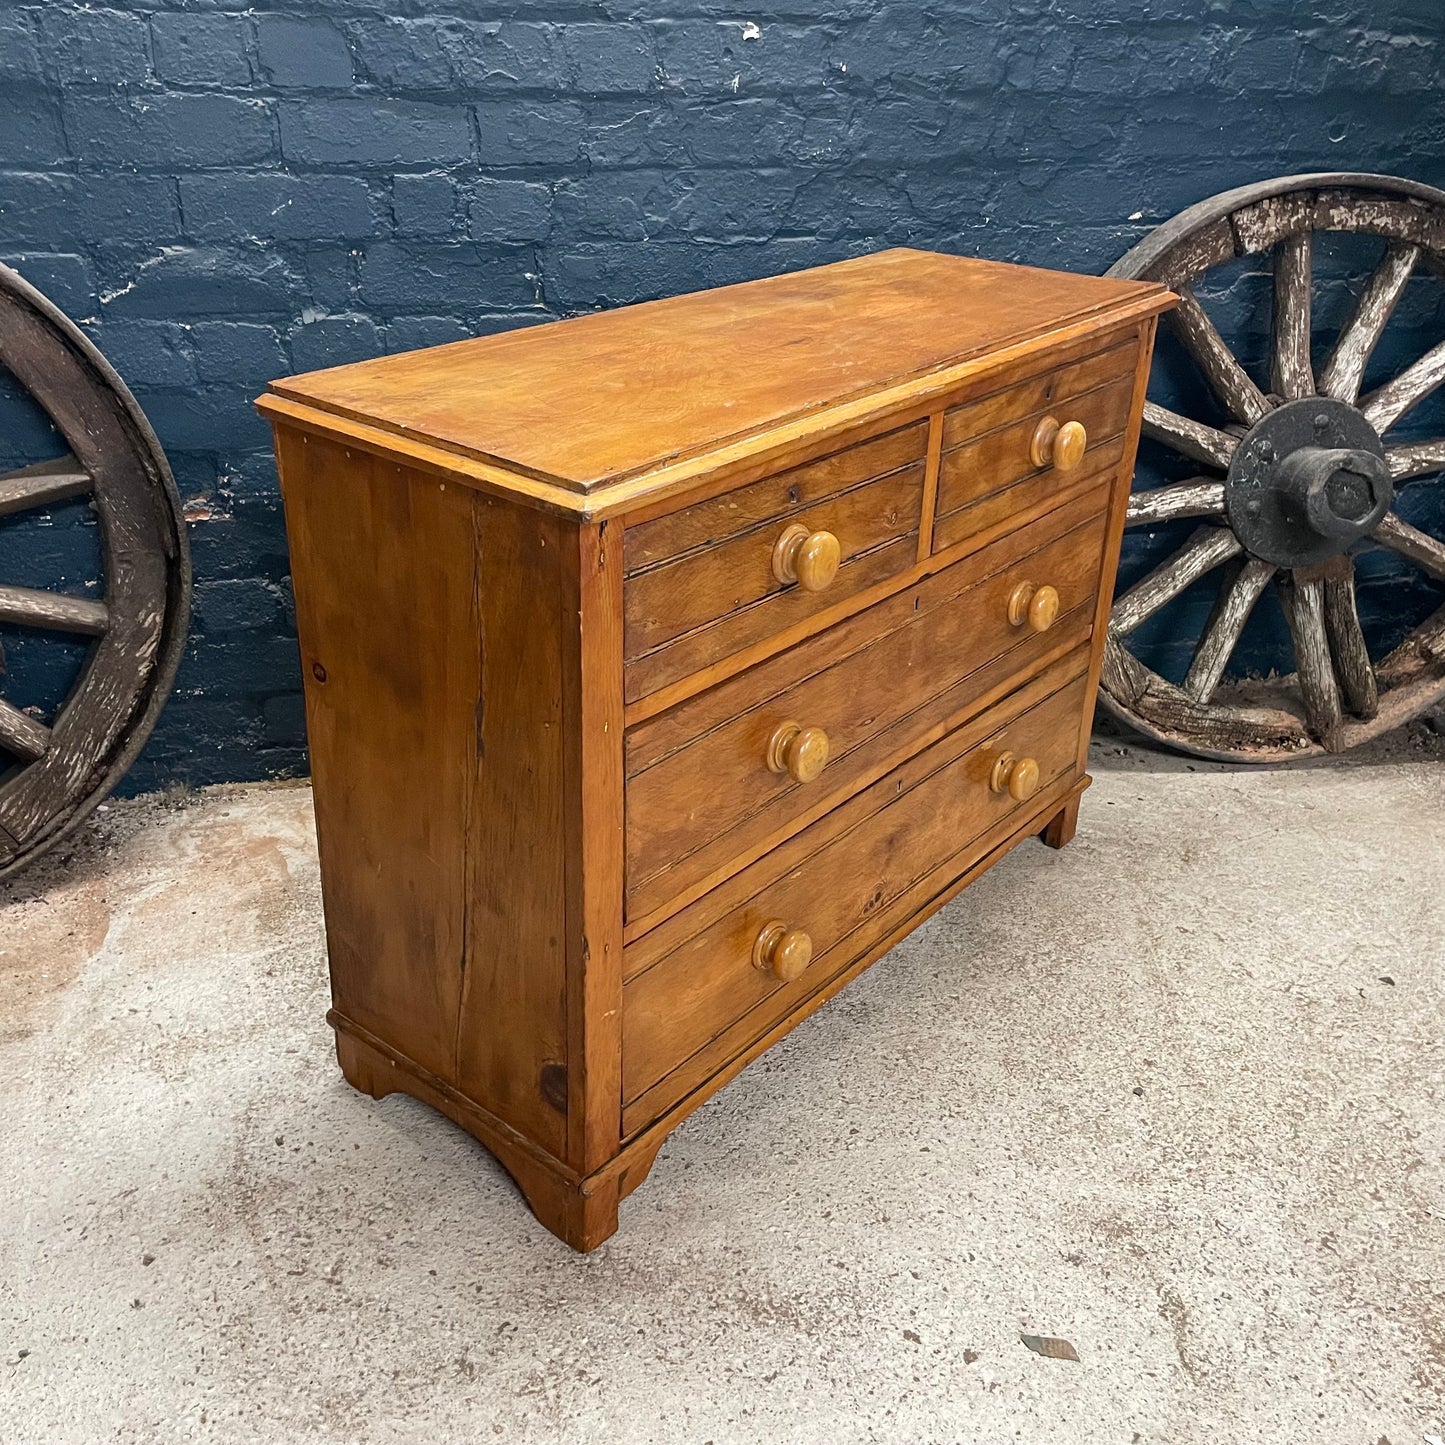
<point x="693" y="996"/>
<point x="700" y="583"/>
<point x="701" y="793"/>
<point x="990" y="467"/>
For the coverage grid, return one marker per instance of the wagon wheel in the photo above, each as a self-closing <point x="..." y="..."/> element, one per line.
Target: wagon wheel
<point x="57" y="769"/>
<point x="1300" y="480"/>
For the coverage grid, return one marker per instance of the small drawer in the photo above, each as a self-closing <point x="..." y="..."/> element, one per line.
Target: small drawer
<point x="707" y="580"/>
<point x="1004" y="452"/>
<point x="701" y="987"/>
<point x="720" y="776"/>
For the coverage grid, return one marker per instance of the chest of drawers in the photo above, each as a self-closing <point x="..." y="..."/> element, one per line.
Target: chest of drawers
<point x="666" y="666"/>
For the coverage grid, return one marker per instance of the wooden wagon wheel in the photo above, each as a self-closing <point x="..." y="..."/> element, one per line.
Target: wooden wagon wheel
<point x="58" y="769"/>
<point x="1299" y="480"/>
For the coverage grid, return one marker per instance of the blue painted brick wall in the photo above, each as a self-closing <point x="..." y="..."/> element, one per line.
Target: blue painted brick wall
<point x="225" y="192"/>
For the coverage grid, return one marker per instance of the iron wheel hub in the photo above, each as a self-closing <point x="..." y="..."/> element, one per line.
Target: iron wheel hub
<point x="1308" y="481"/>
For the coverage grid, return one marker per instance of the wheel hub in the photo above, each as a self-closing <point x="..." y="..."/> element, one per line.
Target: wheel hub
<point x="1307" y="482"/>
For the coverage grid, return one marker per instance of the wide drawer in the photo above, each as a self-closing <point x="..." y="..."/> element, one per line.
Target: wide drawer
<point x="709" y="579"/>
<point x="1006" y="452"/>
<point x="719" y="777"/>
<point x="700" y="987"/>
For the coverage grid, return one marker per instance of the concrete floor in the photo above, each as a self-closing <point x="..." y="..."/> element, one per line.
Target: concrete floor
<point x="1174" y="1094"/>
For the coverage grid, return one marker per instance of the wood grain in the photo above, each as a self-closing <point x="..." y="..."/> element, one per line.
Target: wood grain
<point x="702" y="588"/>
<point x="672" y="378"/>
<point x="604" y="806"/>
<point x="995" y="460"/>
<point x="842" y="891"/>
<point x="1037" y="394"/>
<point x="773" y="500"/>
<point x="699" y="791"/>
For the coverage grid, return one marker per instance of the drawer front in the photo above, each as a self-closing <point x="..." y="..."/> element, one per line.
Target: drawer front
<point x="705" y="581"/>
<point x="1008" y="451"/>
<point x="703" y="985"/>
<point x="718" y="777"/>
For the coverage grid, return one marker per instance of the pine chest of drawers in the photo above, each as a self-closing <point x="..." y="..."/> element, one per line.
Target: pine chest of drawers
<point x="666" y="666"/>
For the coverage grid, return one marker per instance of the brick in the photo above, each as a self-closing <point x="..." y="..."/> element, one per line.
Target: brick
<point x="610" y="59"/>
<point x="505" y="210"/>
<point x="333" y="341"/>
<point x="623" y="133"/>
<point x="100" y="46"/>
<point x="284" y="720"/>
<point x="209" y="419"/>
<point x="530" y="132"/>
<point x="105" y="207"/>
<point x="30" y="129"/>
<point x="298" y="53"/>
<point x="353" y="132"/>
<point x="203" y="281"/>
<point x="238" y="351"/>
<point x="764" y="131"/>
<point x="201" y="49"/>
<point x="147" y="353"/>
<point x="168" y="131"/>
<point x="621" y="205"/>
<point x="414" y="333"/>
<point x="238" y="605"/>
<point x="411" y="276"/>
<point x="270" y="206"/>
<point x="733" y="56"/>
<point x="424" y="205"/>
<point x="19" y="47"/>
<point x="331" y="278"/>
<point x="938" y="47"/>
<point x="66" y="279"/>
<point x="248" y="474"/>
<point x="450" y="55"/>
<point x="588" y="275"/>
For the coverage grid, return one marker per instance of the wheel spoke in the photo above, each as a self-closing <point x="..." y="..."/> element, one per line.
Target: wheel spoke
<point x="1346" y="367"/>
<point x="54" y="611"/>
<point x="1291" y="373"/>
<point x="1207" y="548"/>
<point x="1383" y="408"/>
<point x="21" y="735"/>
<point x="1418" y="459"/>
<point x="1347" y="641"/>
<point x="42" y="485"/>
<point x="1238" y="593"/>
<point x="1198" y="497"/>
<point x="1304" y="609"/>
<point x="1421" y="548"/>
<point x="1228" y="379"/>
<point x="1189" y="438"/>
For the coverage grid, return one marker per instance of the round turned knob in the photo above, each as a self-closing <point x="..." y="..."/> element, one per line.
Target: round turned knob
<point x="797" y="751"/>
<point x="1018" y="777"/>
<point x="782" y="951"/>
<point x="808" y="558"/>
<point x="1038" y="606"/>
<point x="1059" y="446"/>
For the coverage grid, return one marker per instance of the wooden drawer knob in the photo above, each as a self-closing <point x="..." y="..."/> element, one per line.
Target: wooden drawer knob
<point x="1037" y="606"/>
<point x="1018" y="777"/>
<point x="1059" y="446"/>
<point x="808" y="558"/>
<point x="782" y="951"/>
<point x="797" y="751"/>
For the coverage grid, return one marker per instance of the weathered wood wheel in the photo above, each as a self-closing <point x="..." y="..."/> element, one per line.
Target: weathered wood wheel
<point x="1294" y="483"/>
<point x="57" y="768"/>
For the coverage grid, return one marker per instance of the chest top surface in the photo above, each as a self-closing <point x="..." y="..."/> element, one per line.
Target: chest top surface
<point x="614" y="395"/>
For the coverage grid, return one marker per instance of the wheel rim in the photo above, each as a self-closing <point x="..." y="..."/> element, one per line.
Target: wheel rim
<point x="57" y="768"/>
<point x="1294" y="485"/>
